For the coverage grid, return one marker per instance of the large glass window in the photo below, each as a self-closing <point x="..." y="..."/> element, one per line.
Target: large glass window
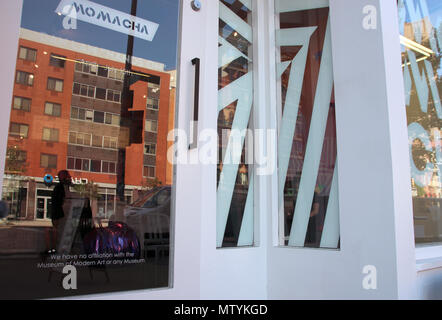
<point x="76" y="174"/>
<point x="308" y="202"/>
<point x="421" y="40"/>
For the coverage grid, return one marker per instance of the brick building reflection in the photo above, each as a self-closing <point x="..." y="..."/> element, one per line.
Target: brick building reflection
<point x="66" y="115"/>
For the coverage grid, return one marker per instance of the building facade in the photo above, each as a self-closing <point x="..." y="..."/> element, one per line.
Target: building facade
<point x="291" y="147"/>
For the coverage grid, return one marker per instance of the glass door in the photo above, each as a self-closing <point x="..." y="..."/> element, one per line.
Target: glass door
<point x="93" y="101"/>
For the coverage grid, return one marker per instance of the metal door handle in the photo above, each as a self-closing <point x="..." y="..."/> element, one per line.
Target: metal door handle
<point x="196" y="62"/>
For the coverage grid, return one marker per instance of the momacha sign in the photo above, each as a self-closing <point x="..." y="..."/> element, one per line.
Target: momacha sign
<point x="105" y="17"/>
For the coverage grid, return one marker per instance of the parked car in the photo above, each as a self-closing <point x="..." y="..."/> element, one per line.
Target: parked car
<point x="149" y="217"/>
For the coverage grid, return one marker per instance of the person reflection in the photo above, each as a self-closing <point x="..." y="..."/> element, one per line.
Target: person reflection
<point x="59" y="206"/>
<point x="312" y="236"/>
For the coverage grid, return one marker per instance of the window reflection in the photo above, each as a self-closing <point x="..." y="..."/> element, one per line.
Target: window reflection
<point x="307" y="137"/>
<point x="421" y="29"/>
<point x="88" y="138"/>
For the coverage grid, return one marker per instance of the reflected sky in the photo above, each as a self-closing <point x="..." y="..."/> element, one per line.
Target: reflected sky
<point x="40" y="16"/>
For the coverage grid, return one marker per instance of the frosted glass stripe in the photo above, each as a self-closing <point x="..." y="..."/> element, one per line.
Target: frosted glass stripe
<point x="282" y="67"/>
<point x="314" y="146"/>
<point x="228" y="53"/>
<point x="235" y="22"/>
<point x="298" y="5"/>
<point x="420" y="82"/>
<point x="330" y="233"/>
<point x="246" y="233"/>
<point x="299" y="36"/>
<point x="240" y="90"/>
<point x="294" y="36"/>
<point x="407" y="83"/>
<point x="434" y="88"/>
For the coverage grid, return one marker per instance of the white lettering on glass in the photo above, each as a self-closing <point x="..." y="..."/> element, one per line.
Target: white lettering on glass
<point x="106" y="17"/>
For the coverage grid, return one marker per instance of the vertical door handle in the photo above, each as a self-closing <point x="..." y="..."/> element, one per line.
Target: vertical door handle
<point x="196" y="63"/>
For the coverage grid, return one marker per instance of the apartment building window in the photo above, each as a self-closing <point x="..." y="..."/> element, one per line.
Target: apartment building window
<point x="151" y="125"/>
<point x="83" y="139"/>
<point x="50" y="134"/>
<point x="97" y="141"/>
<point x="96" y="166"/>
<point x="100" y="94"/>
<point x="55" y="84"/>
<point x="153" y="90"/>
<point x="57" y="60"/>
<point x="116" y="74"/>
<point x="110" y="142"/>
<point x="82" y="114"/>
<point x="27" y="54"/>
<point x="102" y="71"/>
<point x="21" y="103"/>
<point x="53" y="109"/>
<point x="16" y="155"/>
<point x="150" y="149"/>
<point x="114" y="96"/>
<point x="78" y="164"/>
<point x="18" y="129"/>
<point x="149" y="172"/>
<point x="112" y="119"/>
<point x="83" y="90"/>
<point x="86" y="67"/>
<point x="153" y="104"/>
<point x="48" y="161"/>
<point x="108" y="167"/>
<point x="99" y="117"/>
<point x="24" y="78"/>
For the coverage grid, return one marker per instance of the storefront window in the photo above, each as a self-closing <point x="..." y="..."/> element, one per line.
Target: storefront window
<point x="74" y="181"/>
<point x="308" y="204"/>
<point x="421" y="40"/>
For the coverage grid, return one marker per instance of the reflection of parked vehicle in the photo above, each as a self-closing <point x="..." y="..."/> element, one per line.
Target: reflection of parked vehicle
<point x="149" y="217"/>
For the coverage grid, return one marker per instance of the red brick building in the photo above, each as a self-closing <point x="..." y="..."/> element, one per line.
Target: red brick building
<point x="66" y="114"/>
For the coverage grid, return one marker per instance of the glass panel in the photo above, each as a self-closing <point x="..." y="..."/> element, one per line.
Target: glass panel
<point x="92" y="215"/>
<point x="421" y="39"/>
<point x="308" y="192"/>
<point x="235" y="221"/>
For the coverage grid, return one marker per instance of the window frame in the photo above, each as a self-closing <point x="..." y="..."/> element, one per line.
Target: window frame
<point x="53" y="58"/>
<point x="52" y="131"/>
<point x="21" y="105"/>
<point x="49" y="157"/>
<point x="56" y="81"/>
<point x="27" y="53"/>
<point x="20" y="126"/>
<point x="53" y="108"/>
<point x="29" y="77"/>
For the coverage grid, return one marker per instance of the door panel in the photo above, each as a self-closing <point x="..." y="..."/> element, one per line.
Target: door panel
<point x="93" y="101"/>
